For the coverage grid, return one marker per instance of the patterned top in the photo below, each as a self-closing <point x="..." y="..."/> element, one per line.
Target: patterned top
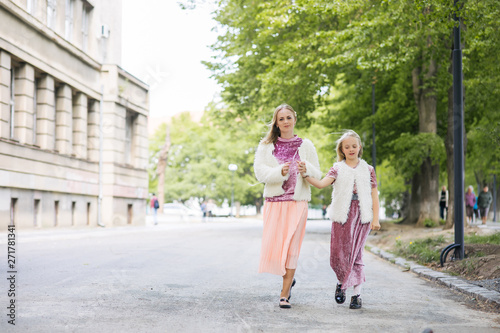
<point x="287" y="150"/>
<point x="470" y="199"/>
<point x="334" y="170"/>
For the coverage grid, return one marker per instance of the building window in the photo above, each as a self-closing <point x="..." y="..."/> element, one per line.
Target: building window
<point x="88" y="213"/>
<point x="51" y="13"/>
<point x="31" y="7"/>
<point x="36" y="213"/>
<point x="69" y="20"/>
<point x="130" y="213"/>
<point x="73" y="212"/>
<point x="13" y="211"/>
<point x="56" y="213"/>
<point x="129" y="152"/>
<point x="85" y="27"/>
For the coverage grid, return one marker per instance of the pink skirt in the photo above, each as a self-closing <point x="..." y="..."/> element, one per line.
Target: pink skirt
<point x="284" y="230"/>
<point x="346" y="248"/>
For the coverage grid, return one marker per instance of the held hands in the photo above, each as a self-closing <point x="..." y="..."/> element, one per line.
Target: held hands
<point x="302" y="167"/>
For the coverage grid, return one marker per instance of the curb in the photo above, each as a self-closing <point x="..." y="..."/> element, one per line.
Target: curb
<point x="479" y="293"/>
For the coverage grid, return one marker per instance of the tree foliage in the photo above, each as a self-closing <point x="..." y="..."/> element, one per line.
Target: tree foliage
<point x="324" y="58"/>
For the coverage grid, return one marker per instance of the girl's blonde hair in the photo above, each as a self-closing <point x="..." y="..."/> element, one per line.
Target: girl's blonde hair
<point x="347" y="133"/>
<point x="274" y="132"/>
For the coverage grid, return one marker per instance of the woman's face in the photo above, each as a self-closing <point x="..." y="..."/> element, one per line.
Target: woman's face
<point x="285" y="120"/>
<point x="350" y="148"/>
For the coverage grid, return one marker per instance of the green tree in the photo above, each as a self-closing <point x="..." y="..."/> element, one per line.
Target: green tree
<point x="324" y="56"/>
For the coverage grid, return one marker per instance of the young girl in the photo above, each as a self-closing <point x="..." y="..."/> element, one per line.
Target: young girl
<point x="354" y="211"/>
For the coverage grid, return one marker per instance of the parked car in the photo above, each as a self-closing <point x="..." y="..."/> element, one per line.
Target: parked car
<point x="180" y="212"/>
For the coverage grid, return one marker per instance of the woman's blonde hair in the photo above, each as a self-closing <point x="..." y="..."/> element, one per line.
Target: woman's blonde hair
<point x="274" y="132"/>
<point x="347" y="133"/>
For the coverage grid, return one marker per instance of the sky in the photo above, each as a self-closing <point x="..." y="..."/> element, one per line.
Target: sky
<point x="163" y="46"/>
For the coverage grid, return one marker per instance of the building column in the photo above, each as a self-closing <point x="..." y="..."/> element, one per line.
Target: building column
<point x="80" y="110"/>
<point x="5" y="65"/>
<point x="93" y="131"/>
<point x="24" y="103"/>
<point x="64" y="119"/>
<point x="46" y="113"/>
<point x="142" y="142"/>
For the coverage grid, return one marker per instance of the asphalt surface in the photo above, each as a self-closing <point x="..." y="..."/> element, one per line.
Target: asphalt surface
<point x="202" y="277"/>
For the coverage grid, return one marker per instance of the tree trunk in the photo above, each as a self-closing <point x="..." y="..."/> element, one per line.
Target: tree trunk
<point x="428" y="187"/>
<point x="160" y="169"/>
<point x="429" y="193"/>
<point x="413" y="201"/>
<point x="258" y="206"/>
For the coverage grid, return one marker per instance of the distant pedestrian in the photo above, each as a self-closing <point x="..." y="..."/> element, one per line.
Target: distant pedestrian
<point x="203" y="207"/>
<point x="443" y="202"/>
<point x="470" y="201"/>
<point x="354" y="211"/>
<point x="475" y="215"/>
<point x="286" y="196"/>
<point x="155" y="205"/>
<point x="483" y="202"/>
<point x="324" y="211"/>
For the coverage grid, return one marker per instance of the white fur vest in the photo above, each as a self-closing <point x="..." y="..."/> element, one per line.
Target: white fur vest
<point x="268" y="170"/>
<point x="343" y="188"/>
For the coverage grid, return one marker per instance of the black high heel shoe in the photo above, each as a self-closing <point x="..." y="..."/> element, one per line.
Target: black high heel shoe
<point x="290" y="293"/>
<point x="339" y="294"/>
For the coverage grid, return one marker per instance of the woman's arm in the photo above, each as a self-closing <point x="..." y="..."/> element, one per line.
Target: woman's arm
<point x="375" y="225"/>
<point x="320" y="183"/>
<point x="266" y="173"/>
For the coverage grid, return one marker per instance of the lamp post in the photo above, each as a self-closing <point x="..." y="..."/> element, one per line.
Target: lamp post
<point x="458" y="144"/>
<point x="232" y="168"/>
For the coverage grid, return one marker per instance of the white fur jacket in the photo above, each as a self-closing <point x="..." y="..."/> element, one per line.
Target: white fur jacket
<point x="343" y="188"/>
<point x="268" y="170"/>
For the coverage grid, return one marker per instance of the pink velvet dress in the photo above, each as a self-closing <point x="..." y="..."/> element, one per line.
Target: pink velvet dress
<point x="284" y="218"/>
<point x="348" y="240"/>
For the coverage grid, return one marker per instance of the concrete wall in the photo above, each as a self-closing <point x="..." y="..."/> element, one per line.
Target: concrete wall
<point x="50" y="129"/>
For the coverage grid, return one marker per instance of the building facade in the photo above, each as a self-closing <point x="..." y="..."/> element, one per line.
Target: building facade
<point x="73" y="123"/>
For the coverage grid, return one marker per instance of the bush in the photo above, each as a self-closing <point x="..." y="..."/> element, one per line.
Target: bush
<point x="489" y="239"/>
<point x="423" y="251"/>
<point x="428" y="223"/>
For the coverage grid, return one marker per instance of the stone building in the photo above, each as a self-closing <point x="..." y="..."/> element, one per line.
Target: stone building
<point x="73" y="123"/>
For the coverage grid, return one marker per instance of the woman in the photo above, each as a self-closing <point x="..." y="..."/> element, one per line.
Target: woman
<point x="470" y="201"/>
<point x="286" y="195"/>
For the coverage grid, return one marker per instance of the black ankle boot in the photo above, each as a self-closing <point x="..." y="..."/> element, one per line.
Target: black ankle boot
<point x="339" y="294"/>
<point x="355" y="302"/>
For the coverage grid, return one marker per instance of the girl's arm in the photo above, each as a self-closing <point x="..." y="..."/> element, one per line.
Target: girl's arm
<point x="375" y="225"/>
<point x="320" y="183"/>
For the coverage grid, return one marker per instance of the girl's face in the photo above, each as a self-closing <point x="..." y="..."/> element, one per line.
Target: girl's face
<point x="350" y="148"/>
<point x="285" y="120"/>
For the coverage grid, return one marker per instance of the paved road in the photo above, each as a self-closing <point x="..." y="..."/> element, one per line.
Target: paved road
<point x="201" y="277"/>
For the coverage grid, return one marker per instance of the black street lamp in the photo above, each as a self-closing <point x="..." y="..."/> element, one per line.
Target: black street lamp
<point x="458" y="144"/>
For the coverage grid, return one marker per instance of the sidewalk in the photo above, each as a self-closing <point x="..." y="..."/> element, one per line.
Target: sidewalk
<point x="460" y="285"/>
<point x="452" y="282"/>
